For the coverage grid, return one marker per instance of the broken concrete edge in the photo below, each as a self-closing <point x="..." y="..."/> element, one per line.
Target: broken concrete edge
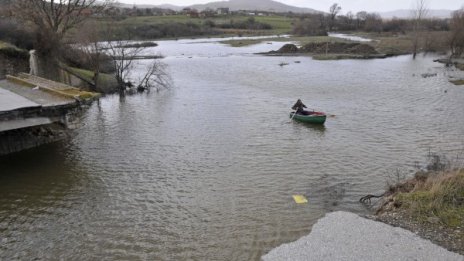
<point x="82" y="96"/>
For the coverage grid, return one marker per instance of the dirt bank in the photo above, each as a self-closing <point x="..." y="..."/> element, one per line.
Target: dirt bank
<point x="330" y="50"/>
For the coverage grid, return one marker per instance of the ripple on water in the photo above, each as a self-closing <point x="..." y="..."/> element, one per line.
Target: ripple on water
<point x="207" y="170"/>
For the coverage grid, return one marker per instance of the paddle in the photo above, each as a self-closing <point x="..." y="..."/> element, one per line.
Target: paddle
<point x="292" y="116"/>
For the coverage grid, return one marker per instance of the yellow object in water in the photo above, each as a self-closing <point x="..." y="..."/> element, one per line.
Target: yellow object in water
<point x="300" y="199"/>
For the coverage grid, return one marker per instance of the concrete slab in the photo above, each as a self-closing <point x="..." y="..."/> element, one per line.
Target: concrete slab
<point x="11" y="101"/>
<point x="37" y="96"/>
<point x="24" y="123"/>
<point x="346" y="236"/>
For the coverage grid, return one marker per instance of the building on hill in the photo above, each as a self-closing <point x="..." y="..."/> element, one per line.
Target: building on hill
<point x="223" y="11"/>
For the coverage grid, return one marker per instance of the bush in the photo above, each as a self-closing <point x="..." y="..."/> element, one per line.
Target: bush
<point x="12" y="32"/>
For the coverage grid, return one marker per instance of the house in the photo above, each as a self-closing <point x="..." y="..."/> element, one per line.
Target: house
<point x="207" y="13"/>
<point x="223" y="11"/>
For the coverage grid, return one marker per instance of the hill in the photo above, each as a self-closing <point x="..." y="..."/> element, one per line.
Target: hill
<point x="255" y="5"/>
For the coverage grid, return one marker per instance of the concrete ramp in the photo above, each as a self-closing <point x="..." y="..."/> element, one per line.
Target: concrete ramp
<point x="10" y="101"/>
<point x="346" y="236"/>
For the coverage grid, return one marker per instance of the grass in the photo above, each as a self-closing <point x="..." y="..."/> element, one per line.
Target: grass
<point x="280" y="24"/>
<point x="13" y="51"/>
<point x="397" y="44"/>
<point x="4" y="45"/>
<point x="460" y="66"/>
<point x="439" y="195"/>
<point x="106" y="82"/>
<point x="277" y="22"/>
<point x="89" y="74"/>
<point x="300" y="40"/>
<point x="457" y="82"/>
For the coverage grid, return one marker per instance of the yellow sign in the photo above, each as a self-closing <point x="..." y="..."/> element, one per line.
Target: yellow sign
<point x="300" y="199"/>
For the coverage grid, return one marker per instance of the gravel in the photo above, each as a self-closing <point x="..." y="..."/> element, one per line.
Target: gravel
<point x="346" y="236"/>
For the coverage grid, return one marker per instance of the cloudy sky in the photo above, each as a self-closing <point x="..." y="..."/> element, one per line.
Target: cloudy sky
<point x="347" y="5"/>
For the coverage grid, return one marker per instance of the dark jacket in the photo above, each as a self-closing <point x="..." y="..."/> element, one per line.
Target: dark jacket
<point x="299" y="106"/>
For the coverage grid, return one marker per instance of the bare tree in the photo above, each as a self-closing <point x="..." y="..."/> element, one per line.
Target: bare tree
<point x="456" y="40"/>
<point x="124" y="56"/>
<point x="54" y="18"/>
<point x="360" y="18"/>
<point x="155" y="77"/>
<point x="333" y="12"/>
<point x="89" y="40"/>
<point x="419" y="13"/>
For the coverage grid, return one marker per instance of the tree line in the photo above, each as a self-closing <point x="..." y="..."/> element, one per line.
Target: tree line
<point x="418" y="24"/>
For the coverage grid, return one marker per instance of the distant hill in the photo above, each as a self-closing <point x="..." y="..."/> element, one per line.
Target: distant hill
<point x="404" y="13"/>
<point x="163" y="6"/>
<point x="258" y="5"/>
<point x="172" y="7"/>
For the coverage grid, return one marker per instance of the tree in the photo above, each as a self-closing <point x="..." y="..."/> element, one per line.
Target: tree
<point x="88" y="36"/>
<point x="124" y="59"/>
<point x="333" y="12"/>
<point x="456" y="39"/>
<point x="309" y="25"/>
<point x="373" y="23"/>
<point x="54" y="18"/>
<point x="419" y="13"/>
<point x="360" y="19"/>
<point x="124" y="55"/>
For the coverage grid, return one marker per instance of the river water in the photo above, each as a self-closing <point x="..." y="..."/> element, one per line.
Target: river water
<point x="207" y="169"/>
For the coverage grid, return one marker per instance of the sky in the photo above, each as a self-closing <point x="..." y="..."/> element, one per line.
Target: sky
<point x="323" y="5"/>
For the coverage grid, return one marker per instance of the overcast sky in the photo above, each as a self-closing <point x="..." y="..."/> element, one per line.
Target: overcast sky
<point x="323" y="5"/>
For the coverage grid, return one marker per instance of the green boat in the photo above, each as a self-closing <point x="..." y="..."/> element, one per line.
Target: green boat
<point x="309" y="117"/>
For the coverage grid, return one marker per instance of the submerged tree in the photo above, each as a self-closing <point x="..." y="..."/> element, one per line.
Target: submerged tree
<point x="125" y="55"/>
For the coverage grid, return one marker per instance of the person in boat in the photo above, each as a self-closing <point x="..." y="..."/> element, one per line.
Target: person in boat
<point x="299" y="107"/>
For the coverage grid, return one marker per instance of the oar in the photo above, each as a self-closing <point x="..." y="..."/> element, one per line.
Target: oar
<point x="294" y="113"/>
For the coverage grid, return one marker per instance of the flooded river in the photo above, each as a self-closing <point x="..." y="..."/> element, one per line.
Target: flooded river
<point x="207" y="170"/>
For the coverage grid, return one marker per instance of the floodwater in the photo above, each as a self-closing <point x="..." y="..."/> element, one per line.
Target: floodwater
<point x="207" y="169"/>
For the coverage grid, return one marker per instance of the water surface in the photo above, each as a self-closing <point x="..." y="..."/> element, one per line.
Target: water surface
<point x="207" y="170"/>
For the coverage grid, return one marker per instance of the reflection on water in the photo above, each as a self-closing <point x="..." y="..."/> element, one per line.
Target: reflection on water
<point x="207" y="170"/>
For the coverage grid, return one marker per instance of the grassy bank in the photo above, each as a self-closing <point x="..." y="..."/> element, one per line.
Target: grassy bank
<point x="280" y="24"/>
<point x="12" y="51"/>
<point x="106" y="82"/>
<point x="299" y="40"/>
<point x="457" y="82"/>
<point x="183" y="26"/>
<point x="431" y="204"/>
<point x="435" y="197"/>
<point x="398" y="44"/>
<point x="386" y="44"/>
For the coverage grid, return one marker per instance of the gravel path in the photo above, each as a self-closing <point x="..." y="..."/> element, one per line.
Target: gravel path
<point x="346" y="236"/>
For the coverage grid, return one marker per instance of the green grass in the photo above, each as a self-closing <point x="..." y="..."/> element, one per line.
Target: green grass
<point x="397" y="44"/>
<point x="460" y="66"/>
<point x="13" y="51"/>
<point x="441" y="196"/>
<point x="457" y="82"/>
<point x="280" y="24"/>
<point x="4" y="45"/>
<point x="300" y="40"/>
<point x="140" y="20"/>
<point x="89" y="74"/>
<point x="106" y="82"/>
